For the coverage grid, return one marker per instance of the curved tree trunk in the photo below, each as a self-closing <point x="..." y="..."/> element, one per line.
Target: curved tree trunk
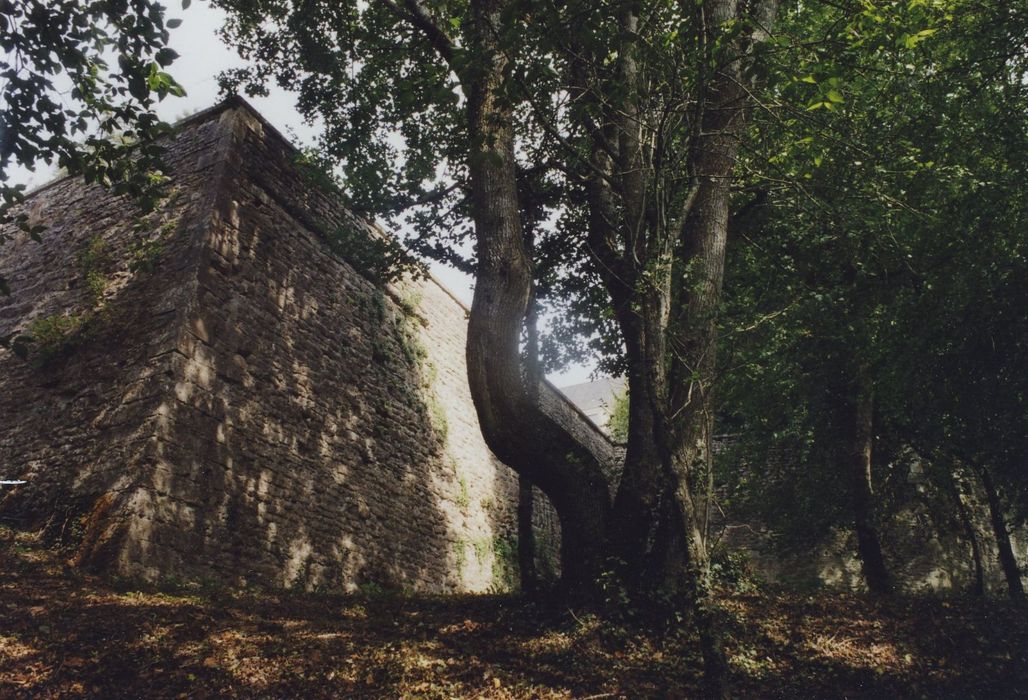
<point x="514" y="426"/>
<point x="672" y="358"/>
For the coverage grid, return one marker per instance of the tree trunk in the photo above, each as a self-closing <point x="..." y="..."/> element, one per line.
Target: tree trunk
<point x="625" y="239"/>
<point x="999" y="529"/>
<point x="692" y="336"/>
<point x="514" y="426"/>
<point x="638" y="503"/>
<point x="696" y="580"/>
<point x="978" y="589"/>
<point x="672" y="359"/>
<point x="692" y="332"/>
<point x="526" y="538"/>
<point x="869" y="547"/>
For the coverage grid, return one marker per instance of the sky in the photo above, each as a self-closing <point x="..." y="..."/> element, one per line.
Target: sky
<point x="202" y="56"/>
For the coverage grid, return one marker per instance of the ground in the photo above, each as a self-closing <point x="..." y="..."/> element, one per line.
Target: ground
<point x="66" y="634"/>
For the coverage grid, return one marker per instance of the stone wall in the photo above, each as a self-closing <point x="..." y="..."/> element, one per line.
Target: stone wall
<point x="79" y="416"/>
<point x="252" y="408"/>
<point x="213" y="394"/>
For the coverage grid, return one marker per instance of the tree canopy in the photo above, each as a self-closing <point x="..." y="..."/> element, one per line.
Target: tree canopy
<point x="79" y="81"/>
<point x="604" y="157"/>
<point x="803" y="222"/>
<point x="890" y="265"/>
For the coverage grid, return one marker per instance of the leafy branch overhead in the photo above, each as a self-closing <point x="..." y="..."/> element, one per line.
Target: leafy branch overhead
<point x="79" y="81"/>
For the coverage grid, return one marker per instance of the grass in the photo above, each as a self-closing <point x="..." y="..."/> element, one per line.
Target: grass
<point x="66" y="634"/>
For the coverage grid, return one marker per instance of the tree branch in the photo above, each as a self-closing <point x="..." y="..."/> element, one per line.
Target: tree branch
<point x="419" y="18"/>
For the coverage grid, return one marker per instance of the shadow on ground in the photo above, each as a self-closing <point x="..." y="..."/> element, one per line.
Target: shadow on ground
<point x="65" y="635"/>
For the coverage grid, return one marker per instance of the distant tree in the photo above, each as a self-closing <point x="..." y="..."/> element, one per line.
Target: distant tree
<point x="79" y="80"/>
<point x="883" y="279"/>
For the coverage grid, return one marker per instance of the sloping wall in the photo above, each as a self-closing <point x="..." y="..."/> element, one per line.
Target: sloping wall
<point x="80" y="415"/>
<point x="252" y="409"/>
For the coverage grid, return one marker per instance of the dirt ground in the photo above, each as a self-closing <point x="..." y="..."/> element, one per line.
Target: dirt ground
<point x="65" y="634"/>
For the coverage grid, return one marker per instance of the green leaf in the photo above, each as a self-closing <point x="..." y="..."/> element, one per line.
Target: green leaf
<point x="137" y="86"/>
<point x="835" y="96"/>
<point x="165" y="56"/>
<point x="174" y="23"/>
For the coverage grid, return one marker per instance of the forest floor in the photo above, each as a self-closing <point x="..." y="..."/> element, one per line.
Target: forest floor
<point x="65" y="634"/>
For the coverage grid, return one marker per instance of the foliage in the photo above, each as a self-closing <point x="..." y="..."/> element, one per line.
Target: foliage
<point x="74" y="75"/>
<point x="144" y="254"/>
<point x="372" y="252"/>
<point x="505" y="571"/>
<point x="887" y="239"/>
<point x="616" y="598"/>
<point x="53" y="335"/>
<point x="350" y="87"/>
<point x="153" y="230"/>
<point x="437" y="415"/>
<point x="731" y="570"/>
<point x="617" y="424"/>
<point x="395" y="126"/>
<point x="460" y="557"/>
<point x="463" y="499"/>
<point x="94" y="263"/>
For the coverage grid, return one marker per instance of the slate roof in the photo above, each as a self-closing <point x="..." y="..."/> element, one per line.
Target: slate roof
<point x="596" y="398"/>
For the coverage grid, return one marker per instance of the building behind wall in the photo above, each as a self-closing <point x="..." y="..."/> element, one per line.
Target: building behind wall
<point x="211" y="392"/>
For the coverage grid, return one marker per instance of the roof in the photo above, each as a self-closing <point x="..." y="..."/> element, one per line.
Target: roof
<point x="596" y="398"/>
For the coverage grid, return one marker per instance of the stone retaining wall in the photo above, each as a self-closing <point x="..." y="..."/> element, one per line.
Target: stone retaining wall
<point x="239" y="403"/>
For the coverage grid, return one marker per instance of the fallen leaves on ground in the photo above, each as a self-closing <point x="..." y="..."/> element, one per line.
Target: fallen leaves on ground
<point x="65" y="634"/>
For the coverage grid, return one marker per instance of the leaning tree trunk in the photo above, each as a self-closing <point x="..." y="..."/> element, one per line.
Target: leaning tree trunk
<point x="858" y="463"/>
<point x="999" y="529"/>
<point x="514" y="426"/>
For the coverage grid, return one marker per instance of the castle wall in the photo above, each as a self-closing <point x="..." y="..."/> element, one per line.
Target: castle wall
<point x="299" y="426"/>
<point x="213" y="394"/>
<point x="79" y="414"/>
